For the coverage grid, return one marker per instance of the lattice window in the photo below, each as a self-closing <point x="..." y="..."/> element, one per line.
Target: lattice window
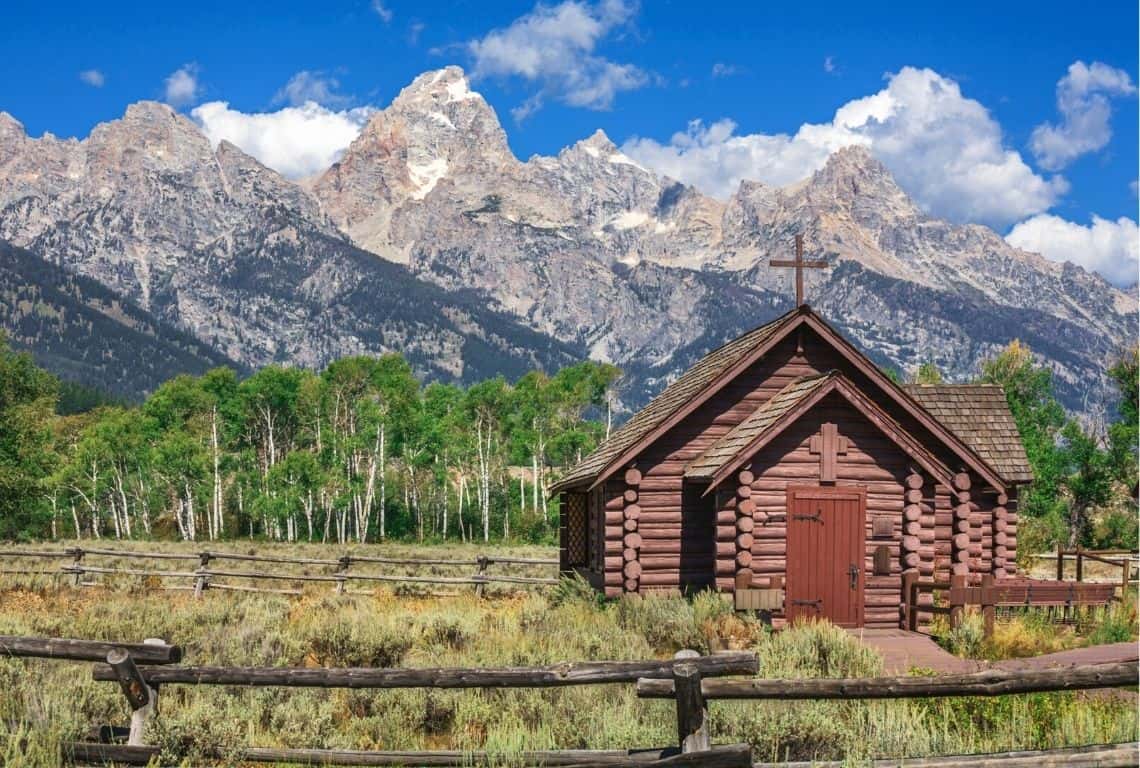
<point x="597" y="530"/>
<point x="576" y="529"/>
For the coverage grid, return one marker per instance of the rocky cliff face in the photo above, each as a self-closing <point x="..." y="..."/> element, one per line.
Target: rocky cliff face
<point x="582" y="253"/>
<point x="214" y="243"/>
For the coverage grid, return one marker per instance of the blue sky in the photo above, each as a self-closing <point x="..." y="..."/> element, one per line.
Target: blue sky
<point x="963" y="106"/>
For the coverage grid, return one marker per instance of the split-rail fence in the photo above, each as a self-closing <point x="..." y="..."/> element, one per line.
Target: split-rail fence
<point x="689" y="679"/>
<point x="212" y="573"/>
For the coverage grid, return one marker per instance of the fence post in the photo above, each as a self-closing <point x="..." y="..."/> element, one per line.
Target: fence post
<point x="958" y="583"/>
<point x="1080" y="564"/>
<point x="1060" y="562"/>
<point x="989" y="610"/>
<point x="77" y="564"/>
<point x="692" y="711"/>
<point x="142" y="698"/>
<point x="910" y="598"/>
<point x="1125" y="577"/>
<point x="200" y="578"/>
<point x="341" y="569"/>
<point x="481" y="573"/>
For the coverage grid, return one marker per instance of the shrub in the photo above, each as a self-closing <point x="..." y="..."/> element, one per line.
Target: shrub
<point x="572" y="588"/>
<point x="966" y="639"/>
<point x="1117" y="624"/>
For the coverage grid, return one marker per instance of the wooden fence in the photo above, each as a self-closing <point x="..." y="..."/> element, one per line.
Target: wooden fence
<point x="994" y="593"/>
<point x="1117" y="558"/>
<point x="338" y="573"/>
<point x="689" y="679"/>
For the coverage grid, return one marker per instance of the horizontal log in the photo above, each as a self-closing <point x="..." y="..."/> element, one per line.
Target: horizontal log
<point x="912" y="513"/>
<point x="632" y="476"/>
<point x="632" y="569"/>
<point x="632" y="540"/>
<point x="735" y="756"/>
<point x="661" y="517"/>
<point x="744" y="541"/>
<point x="630" y="495"/>
<point x="86" y="650"/>
<point x="914" y="481"/>
<point x="565" y="673"/>
<point x="630" y="525"/>
<point x="746" y="477"/>
<point x="986" y="683"/>
<point x="632" y="512"/>
<point x="687" y="561"/>
<point x="631" y="585"/>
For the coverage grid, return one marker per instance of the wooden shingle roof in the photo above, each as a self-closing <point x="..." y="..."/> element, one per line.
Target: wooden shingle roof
<point x="725" y="449"/>
<point x="979" y="416"/>
<point x="674" y="397"/>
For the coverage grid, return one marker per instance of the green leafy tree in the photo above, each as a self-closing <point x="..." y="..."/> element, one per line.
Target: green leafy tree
<point x="1039" y="418"/>
<point x="27" y="404"/>
<point x="1124" y="432"/>
<point x="927" y="373"/>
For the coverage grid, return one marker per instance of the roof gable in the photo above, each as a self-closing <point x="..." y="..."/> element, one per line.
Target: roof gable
<point x="979" y="415"/>
<point x="741" y="443"/>
<point x="672" y="401"/>
<point x="720" y="366"/>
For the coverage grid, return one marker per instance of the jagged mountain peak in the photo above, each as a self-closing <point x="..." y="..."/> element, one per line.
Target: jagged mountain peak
<point x="598" y="141"/>
<point x="10" y="127"/>
<point x="853" y="171"/>
<point x="449" y="84"/>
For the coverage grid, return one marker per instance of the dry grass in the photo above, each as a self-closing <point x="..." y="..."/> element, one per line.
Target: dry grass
<point x="45" y="701"/>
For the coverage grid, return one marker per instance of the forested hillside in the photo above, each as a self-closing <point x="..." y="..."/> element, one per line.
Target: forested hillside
<point x="87" y="333"/>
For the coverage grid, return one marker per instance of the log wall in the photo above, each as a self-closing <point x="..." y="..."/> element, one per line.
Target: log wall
<point x="678" y="539"/>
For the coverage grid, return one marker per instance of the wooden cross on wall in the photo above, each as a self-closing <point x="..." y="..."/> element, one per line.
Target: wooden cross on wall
<point x="829" y="445"/>
<point x="800" y="265"/>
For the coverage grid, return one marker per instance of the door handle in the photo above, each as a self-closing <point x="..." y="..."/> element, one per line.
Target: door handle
<point x="853" y="572"/>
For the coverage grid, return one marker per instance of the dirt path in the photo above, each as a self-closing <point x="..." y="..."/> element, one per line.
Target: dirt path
<point x="903" y="651"/>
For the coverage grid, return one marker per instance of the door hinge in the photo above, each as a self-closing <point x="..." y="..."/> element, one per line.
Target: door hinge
<point x="812" y="603"/>
<point x="814" y="517"/>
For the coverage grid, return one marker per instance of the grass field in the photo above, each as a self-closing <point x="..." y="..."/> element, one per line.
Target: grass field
<point x="43" y="701"/>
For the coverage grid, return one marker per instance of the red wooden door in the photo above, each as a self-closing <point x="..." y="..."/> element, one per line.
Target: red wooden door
<point x="824" y="577"/>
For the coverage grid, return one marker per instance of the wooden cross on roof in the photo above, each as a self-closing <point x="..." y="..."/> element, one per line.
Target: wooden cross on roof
<point x="799" y="264"/>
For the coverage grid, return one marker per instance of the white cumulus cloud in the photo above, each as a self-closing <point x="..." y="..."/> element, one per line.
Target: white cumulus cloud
<point x="182" y="87"/>
<point x="93" y="77"/>
<point x="295" y="141"/>
<point x="1111" y="248"/>
<point x="554" y="47"/>
<point x="311" y="86"/>
<point x="1083" y="103"/>
<point x="943" y="148"/>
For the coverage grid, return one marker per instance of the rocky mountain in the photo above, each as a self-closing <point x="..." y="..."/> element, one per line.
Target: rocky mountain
<point x="430" y="236"/>
<point x="589" y="247"/>
<point x="210" y="241"/>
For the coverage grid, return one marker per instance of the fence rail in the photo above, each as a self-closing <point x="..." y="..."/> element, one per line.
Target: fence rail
<point x="205" y="577"/>
<point x="993" y="593"/>
<point x="681" y="679"/>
